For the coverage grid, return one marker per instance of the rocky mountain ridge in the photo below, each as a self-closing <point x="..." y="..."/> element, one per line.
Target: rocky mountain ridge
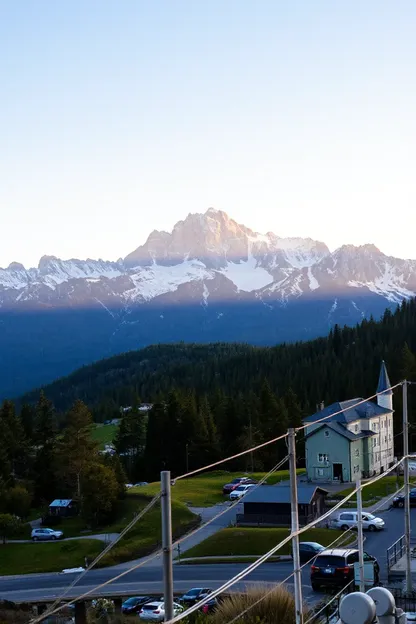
<point x="210" y="279"/>
<point x="200" y="249"/>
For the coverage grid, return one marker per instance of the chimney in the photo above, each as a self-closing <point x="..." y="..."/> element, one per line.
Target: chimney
<point x="320" y="406"/>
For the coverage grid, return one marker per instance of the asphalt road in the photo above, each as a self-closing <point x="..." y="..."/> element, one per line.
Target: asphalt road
<point x="148" y="579"/>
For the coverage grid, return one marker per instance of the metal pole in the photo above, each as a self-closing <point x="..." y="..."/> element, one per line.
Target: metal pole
<point x="167" y="544"/>
<point x="295" y="527"/>
<point x="406" y="490"/>
<point x="360" y="534"/>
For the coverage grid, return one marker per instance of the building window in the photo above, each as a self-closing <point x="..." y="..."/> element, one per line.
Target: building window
<point x="374" y="442"/>
<point x="356" y="428"/>
<point x="389" y="436"/>
<point x="385" y="438"/>
<point x="320" y="472"/>
<point x="357" y="452"/>
<point x="356" y="469"/>
<point x="322" y="458"/>
<point x="326" y="434"/>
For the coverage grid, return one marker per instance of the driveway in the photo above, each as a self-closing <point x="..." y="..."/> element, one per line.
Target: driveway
<point x="103" y="537"/>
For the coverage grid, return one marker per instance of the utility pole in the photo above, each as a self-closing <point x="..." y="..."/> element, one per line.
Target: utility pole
<point x="295" y="526"/>
<point x="167" y="544"/>
<point x="360" y="534"/>
<point x="407" y="528"/>
<point x="251" y="445"/>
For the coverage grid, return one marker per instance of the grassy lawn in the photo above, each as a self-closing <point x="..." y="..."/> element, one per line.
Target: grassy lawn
<point x="146" y="535"/>
<point x="372" y="493"/>
<point x="104" y="434"/>
<point x="254" y="541"/>
<point x="141" y="540"/>
<point x="206" y="489"/>
<point x="47" y="557"/>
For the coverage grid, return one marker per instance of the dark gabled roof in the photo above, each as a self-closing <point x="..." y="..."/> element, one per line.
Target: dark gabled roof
<point x="61" y="502"/>
<point x="350" y="411"/>
<point x="383" y="380"/>
<point x="281" y="494"/>
<point x="342" y="430"/>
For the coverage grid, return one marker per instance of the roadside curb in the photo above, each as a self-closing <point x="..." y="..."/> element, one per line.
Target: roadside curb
<point x="232" y="558"/>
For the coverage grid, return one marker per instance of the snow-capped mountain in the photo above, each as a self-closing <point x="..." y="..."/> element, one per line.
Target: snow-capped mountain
<point x="209" y="279"/>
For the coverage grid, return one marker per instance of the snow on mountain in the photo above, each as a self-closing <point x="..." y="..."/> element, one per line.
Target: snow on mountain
<point x="52" y="271"/>
<point x="150" y="282"/>
<point x="246" y="275"/>
<point x="198" y="249"/>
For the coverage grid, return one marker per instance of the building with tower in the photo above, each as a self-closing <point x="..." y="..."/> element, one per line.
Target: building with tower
<point x="354" y="440"/>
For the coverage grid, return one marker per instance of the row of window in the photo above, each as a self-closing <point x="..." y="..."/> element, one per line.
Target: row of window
<point x="375" y="440"/>
<point x="323" y="458"/>
<point x="375" y="426"/>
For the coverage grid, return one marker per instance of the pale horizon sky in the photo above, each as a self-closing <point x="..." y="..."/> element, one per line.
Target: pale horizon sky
<point x="295" y="117"/>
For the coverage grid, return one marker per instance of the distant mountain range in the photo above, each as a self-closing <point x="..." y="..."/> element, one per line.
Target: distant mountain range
<point x="210" y="279"/>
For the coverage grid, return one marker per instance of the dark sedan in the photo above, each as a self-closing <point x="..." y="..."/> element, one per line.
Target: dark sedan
<point x="194" y="595"/>
<point x="399" y="500"/>
<point x="309" y="550"/>
<point x="134" y="604"/>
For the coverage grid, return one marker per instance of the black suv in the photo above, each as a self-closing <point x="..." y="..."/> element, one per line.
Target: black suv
<point x="335" y="567"/>
<point x="398" y="501"/>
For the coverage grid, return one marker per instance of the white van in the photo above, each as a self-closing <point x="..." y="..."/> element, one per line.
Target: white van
<point x="349" y="520"/>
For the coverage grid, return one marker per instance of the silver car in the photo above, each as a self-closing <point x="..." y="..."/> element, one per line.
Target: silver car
<point x="155" y="611"/>
<point x="46" y="534"/>
<point x="349" y="520"/>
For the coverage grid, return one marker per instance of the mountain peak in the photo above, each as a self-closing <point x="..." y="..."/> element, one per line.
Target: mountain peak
<point x="16" y="266"/>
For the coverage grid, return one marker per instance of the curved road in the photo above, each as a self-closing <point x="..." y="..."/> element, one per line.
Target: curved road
<point x="142" y="581"/>
<point x="148" y="579"/>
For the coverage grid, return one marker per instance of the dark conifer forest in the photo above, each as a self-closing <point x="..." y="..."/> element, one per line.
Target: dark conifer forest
<point x="214" y="400"/>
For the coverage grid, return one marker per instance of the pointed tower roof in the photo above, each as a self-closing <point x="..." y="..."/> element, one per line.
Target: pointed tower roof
<point x="383" y="380"/>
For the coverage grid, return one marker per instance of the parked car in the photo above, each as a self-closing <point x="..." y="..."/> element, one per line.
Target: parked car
<point x="349" y="520"/>
<point x="335" y="567"/>
<point x="412" y="468"/>
<point x="140" y="484"/>
<point x="398" y="501"/>
<point x="46" y="534"/>
<point x="309" y="550"/>
<point x="229" y="487"/>
<point x="241" y="490"/>
<point x="210" y="605"/>
<point x="194" y="595"/>
<point x="155" y="611"/>
<point x="134" y="604"/>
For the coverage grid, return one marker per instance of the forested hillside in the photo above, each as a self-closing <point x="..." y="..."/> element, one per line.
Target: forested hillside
<point x="210" y="401"/>
<point x="343" y="365"/>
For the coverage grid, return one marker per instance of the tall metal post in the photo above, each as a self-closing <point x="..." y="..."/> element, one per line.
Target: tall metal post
<point x="167" y="544"/>
<point x="407" y="528"/>
<point x="360" y="534"/>
<point x="295" y="526"/>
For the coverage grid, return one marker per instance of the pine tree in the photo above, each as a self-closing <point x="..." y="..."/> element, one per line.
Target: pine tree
<point x="408" y="364"/>
<point x="76" y="450"/>
<point x="45" y="465"/>
<point x="13" y="439"/>
<point x="27" y="418"/>
<point x="130" y="440"/>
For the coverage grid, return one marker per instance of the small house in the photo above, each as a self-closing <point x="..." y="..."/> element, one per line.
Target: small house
<point x="63" y="507"/>
<point x="269" y="505"/>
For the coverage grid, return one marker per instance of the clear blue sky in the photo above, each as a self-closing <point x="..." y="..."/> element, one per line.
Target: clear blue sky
<point x="295" y="116"/>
